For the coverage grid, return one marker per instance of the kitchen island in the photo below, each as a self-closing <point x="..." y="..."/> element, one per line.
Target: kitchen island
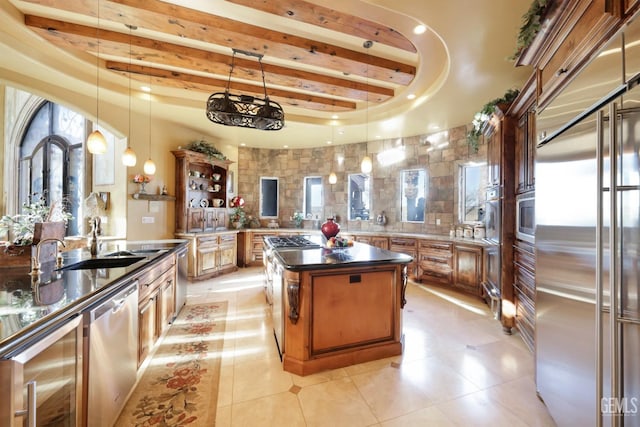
<point x="337" y="307"/>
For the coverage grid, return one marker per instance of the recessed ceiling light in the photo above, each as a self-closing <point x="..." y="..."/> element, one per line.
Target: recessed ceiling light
<point x="285" y="146"/>
<point x="145" y="88"/>
<point x="334" y="117"/>
<point x="419" y="29"/>
<point x="329" y="142"/>
<point x="411" y="96"/>
<point x="242" y="144"/>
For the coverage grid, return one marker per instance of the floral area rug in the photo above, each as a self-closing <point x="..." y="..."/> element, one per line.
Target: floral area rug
<point x="180" y="384"/>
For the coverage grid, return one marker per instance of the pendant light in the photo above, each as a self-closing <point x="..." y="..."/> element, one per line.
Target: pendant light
<point x="96" y="143"/>
<point x="366" y="166"/>
<point x="129" y="156"/>
<point x="149" y="166"/>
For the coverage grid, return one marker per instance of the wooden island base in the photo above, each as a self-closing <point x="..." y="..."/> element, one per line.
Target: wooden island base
<point x="338" y="317"/>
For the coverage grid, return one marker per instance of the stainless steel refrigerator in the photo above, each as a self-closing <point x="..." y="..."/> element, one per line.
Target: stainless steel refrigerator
<point x="587" y="243"/>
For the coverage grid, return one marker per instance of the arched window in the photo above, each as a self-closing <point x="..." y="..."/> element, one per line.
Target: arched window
<point x="51" y="163"/>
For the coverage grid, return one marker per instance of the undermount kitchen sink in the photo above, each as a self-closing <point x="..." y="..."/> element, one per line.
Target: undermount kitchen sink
<point x="135" y="252"/>
<point x="94" y="263"/>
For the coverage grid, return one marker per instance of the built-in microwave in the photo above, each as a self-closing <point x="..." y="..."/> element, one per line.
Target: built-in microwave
<point x="526" y="218"/>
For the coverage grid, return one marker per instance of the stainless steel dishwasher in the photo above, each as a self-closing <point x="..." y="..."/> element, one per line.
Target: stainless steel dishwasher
<point x="111" y="330"/>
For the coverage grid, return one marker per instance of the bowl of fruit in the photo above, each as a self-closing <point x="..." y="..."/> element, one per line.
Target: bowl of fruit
<point x="338" y="243"/>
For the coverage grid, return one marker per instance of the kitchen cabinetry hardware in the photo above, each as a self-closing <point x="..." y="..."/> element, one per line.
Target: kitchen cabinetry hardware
<point x="293" y="294"/>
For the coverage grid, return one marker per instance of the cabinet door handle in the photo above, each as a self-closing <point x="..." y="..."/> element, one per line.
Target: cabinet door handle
<point x="30" y="412"/>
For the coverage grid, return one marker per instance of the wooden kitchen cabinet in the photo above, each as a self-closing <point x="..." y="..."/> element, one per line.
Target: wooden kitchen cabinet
<point x="406" y="246"/>
<point x="211" y="254"/>
<point x="381" y="242"/>
<point x="524" y="111"/>
<point x="147" y="335"/>
<point x="200" y="181"/>
<point x="468" y="262"/>
<point x="157" y="287"/>
<point x="435" y="259"/>
<point x="525" y="291"/>
<point x="252" y="246"/>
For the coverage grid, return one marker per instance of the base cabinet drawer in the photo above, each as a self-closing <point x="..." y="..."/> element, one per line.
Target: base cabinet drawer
<point x="435" y="262"/>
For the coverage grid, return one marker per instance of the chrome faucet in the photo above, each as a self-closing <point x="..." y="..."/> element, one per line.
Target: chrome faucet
<point x="93" y="236"/>
<point x="35" y="260"/>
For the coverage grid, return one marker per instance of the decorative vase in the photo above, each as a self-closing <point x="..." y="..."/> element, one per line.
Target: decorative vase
<point x="142" y="189"/>
<point x="330" y="228"/>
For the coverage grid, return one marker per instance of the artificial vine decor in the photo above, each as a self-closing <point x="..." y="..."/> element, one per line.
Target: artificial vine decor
<point x="531" y="24"/>
<point x="204" y="147"/>
<point x="482" y="117"/>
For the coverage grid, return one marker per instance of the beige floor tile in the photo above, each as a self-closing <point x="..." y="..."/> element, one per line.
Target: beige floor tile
<point x="478" y="410"/>
<point x="259" y="378"/>
<point x="335" y="403"/>
<point x="431" y="416"/>
<point x="519" y="396"/>
<point x="277" y="410"/>
<point x="225" y="386"/>
<point x="223" y="416"/>
<point x="389" y="392"/>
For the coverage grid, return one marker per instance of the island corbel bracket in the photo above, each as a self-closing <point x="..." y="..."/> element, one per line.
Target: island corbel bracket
<point x="404" y="287"/>
<point x="293" y="293"/>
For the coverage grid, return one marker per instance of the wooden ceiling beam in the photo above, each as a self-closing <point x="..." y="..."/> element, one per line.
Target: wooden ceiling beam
<point x="69" y="35"/>
<point x="173" y="19"/>
<point x="207" y="84"/>
<point x="331" y="19"/>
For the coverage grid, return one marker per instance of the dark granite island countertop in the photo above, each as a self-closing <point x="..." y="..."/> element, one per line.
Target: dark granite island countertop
<point x="28" y="312"/>
<point x="358" y="255"/>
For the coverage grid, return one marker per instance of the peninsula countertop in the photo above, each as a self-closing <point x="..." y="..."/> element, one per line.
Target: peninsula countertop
<point x="28" y="311"/>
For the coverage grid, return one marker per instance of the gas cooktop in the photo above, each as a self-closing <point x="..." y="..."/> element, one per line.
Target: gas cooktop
<point x="290" y="242"/>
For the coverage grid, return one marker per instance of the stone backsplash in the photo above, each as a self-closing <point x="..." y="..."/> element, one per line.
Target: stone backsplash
<point x="291" y="166"/>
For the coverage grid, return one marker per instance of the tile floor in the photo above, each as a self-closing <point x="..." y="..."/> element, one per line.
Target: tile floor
<point x="458" y="368"/>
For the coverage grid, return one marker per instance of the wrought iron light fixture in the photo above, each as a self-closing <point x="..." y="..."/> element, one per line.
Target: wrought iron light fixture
<point x="246" y="111"/>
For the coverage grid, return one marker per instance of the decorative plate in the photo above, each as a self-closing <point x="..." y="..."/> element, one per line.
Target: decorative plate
<point x="204" y="203"/>
<point x="192" y="203"/>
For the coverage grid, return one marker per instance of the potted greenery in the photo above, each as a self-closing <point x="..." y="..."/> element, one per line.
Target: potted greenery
<point x="203" y="147"/>
<point x="36" y="219"/>
<point x="482" y="117"/>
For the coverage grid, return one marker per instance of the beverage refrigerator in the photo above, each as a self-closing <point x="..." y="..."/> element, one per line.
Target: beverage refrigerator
<point x="587" y="242"/>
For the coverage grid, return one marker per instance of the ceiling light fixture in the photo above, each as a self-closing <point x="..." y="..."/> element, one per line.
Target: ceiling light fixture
<point x="129" y="157"/>
<point x="96" y="143"/>
<point x="367" y="166"/>
<point x="149" y="166"/>
<point x="247" y="111"/>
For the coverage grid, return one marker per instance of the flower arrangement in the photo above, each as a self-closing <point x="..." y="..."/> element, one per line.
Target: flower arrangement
<point x="239" y="217"/>
<point x="22" y="225"/>
<point x="481" y="118"/>
<point x="236" y="201"/>
<point x="141" y="179"/>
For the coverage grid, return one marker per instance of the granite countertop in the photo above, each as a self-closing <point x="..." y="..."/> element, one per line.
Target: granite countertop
<point x="27" y="310"/>
<point x="357" y="255"/>
<point x="343" y="232"/>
